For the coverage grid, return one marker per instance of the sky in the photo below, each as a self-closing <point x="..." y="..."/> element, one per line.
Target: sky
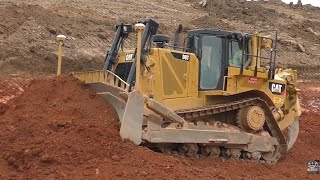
<point x="313" y="2"/>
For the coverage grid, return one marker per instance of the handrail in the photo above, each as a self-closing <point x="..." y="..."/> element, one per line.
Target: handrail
<point x="106" y="77"/>
<point x="117" y="79"/>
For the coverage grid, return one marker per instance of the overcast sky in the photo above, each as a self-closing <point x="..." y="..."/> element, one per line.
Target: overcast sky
<point x="313" y="2"/>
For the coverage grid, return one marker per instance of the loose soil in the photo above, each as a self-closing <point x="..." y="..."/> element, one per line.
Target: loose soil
<point x="58" y="129"/>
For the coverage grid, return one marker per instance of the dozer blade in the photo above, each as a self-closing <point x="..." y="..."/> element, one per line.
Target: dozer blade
<point x="293" y="131"/>
<point x="131" y="126"/>
<point x="118" y="104"/>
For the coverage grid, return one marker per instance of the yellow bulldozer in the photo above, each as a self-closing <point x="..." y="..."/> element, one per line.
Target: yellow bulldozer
<point x="218" y="94"/>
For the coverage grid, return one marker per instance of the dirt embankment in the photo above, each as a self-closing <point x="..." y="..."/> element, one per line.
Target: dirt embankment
<point x="58" y="129"/>
<point x="28" y="29"/>
<point x="27" y="38"/>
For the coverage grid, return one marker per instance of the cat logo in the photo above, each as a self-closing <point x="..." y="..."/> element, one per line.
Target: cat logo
<point x="276" y="88"/>
<point x="185" y="57"/>
<point x="129" y="57"/>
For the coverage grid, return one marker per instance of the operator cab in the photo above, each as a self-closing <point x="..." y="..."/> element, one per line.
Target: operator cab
<point x="216" y="51"/>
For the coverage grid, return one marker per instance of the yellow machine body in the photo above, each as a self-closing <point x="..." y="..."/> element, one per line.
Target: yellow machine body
<point x="174" y="83"/>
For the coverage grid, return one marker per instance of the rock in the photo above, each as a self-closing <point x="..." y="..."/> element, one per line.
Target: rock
<point x="27" y="151"/>
<point x="313" y="32"/>
<point x="144" y="173"/>
<point x="33" y="49"/>
<point x="47" y="159"/>
<point x="288" y="41"/>
<point x="301" y="48"/>
<point x="62" y="124"/>
<point x="11" y="160"/>
<point x="115" y="157"/>
<point x="203" y="3"/>
<point x="302" y="62"/>
<point x="97" y="171"/>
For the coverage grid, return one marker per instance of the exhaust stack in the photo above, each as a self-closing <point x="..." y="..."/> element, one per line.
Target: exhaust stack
<point x="176" y="40"/>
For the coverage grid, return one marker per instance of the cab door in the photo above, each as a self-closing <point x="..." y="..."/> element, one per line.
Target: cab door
<point x="212" y="65"/>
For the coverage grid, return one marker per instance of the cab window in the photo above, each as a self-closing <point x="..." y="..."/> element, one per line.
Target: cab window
<point x="210" y="63"/>
<point x="235" y="54"/>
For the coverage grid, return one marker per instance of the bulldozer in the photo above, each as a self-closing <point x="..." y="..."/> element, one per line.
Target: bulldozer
<point x="217" y="93"/>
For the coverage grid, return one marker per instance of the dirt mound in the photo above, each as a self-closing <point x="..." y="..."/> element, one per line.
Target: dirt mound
<point x="58" y="129"/>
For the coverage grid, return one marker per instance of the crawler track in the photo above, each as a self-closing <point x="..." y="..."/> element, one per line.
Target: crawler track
<point x="271" y="126"/>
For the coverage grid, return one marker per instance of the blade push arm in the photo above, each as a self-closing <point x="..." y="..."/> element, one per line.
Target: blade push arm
<point x="122" y="32"/>
<point x="151" y="28"/>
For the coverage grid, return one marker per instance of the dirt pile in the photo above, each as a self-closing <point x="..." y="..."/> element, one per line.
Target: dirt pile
<point x="58" y="129"/>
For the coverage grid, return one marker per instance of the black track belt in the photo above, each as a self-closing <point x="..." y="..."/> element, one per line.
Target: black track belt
<point x="271" y="123"/>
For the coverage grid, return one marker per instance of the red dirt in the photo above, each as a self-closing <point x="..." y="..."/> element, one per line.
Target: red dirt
<point x="58" y="129"/>
<point x="11" y="86"/>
